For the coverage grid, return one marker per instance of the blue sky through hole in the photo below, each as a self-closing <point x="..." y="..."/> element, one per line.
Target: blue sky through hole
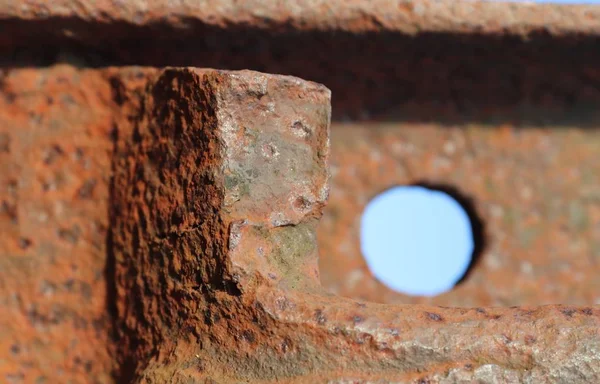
<point x="416" y="240"/>
<point x="419" y="241"/>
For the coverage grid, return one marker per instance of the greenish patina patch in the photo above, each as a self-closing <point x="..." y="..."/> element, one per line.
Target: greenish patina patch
<point x="578" y="218"/>
<point x="292" y="248"/>
<point x="528" y="235"/>
<point x="239" y="183"/>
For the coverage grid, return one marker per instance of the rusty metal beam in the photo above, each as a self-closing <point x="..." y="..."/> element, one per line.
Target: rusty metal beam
<point x="356" y="16"/>
<point x="219" y="179"/>
<point x="161" y="225"/>
<point x="219" y="279"/>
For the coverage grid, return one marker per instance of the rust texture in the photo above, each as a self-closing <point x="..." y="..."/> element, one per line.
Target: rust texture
<point x="162" y="225"/>
<point x="219" y="179"/>
<point x="358" y="16"/>
<point x="534" y="189"/>
<point x="421" y="60"/>
<point x="55" y="168"/>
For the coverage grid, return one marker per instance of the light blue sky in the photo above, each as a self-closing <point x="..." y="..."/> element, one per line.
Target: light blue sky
<point x="417" y="241"/>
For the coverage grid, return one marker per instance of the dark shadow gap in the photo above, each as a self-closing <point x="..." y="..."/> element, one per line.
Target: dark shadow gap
<point x="446" y="78"/>
<point x="110" y="269"/>
<point x="123" y="370"/>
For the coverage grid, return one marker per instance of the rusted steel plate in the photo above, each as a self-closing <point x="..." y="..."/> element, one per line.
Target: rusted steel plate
<point x="357" y="16"/>
<point x="197" y="262"/>
<point x="55" y="169"/>
<point x="535" y="189"/>
<point x="199" y="239"/>
<point x="219" y="281"/>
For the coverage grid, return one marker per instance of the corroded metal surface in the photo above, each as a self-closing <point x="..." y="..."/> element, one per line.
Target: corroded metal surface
<point x="218" y="280"/>
<point x="212" y="164"/>
<point x="358" y="16"/>
<point x="219" y="179"/>
<point x="197" y="262"/>
<point x="535" y="189"/>
<point x="55" y="167"/>
<point x="426" y="60"/>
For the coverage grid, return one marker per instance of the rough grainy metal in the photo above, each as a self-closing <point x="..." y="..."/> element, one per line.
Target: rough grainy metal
<point x="160" y="225"/>
<point x="533" y="188"/>
<point x="407" y="16"/>
<point x="219" y="279"/>
<point x="425" y="60"/>
<point x="218" y="181"/>
<point x="55" y="167"/>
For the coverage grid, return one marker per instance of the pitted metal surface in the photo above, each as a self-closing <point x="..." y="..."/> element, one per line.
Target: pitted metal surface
<point x="164" y="225"/>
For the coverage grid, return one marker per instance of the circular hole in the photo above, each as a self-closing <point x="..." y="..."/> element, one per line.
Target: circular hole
<point x="420" y="240"/>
